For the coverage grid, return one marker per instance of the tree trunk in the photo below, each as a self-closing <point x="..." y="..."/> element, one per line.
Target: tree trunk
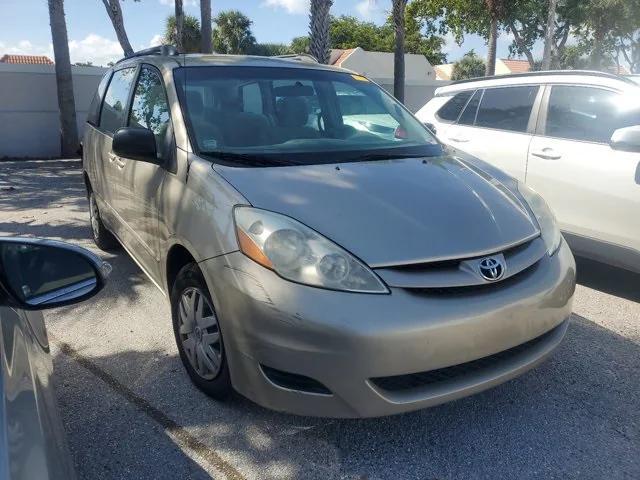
<point x="398" y="53"/>
<point x="320" y="44"/>
<point x="549" y="36"/>
<point x="520" y="43"/>
<point x="179" y="14"/>
<point x="596" y="53"/>
<point x="64" y="80"/>
<point x="491" y="53"/>
<point x="205" y="26"/>
<point x="114" y="11"/>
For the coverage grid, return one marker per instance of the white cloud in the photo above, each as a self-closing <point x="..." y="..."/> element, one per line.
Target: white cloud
<point x="450" y="44"/>
<point x="291" y="6"/>
<point x="93" y="48"/>
<point x="96" y="49"/>
<point x="156" y="40"/>
<point x="25" y="47"/>
<point x="366" y="9"/>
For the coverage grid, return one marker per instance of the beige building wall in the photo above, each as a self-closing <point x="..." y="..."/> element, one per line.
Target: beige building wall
<point x="29" y="119"/>
<point x="420" y="76"/>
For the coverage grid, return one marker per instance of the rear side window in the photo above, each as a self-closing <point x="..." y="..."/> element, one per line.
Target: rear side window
<point x="114" y="106"/>
<point x="468" y="117"/>
<point x="150" y="108"/>
<point x="93" y="116"/>
<point x="588" y="114"/>
<point x="506" y="108"/>
<point x="451" y="110"/>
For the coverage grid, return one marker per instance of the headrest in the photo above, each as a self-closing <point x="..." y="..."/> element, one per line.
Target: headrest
<point x="292" y="111"/>
<point x="195" y="104"/>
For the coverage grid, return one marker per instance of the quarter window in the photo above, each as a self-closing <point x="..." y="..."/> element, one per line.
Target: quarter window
<point x="93" y="116"/>
<point x="150" y="108"/>
<point x="468" y="117"/>
<point x="588" y="114"/>
<point x="506" y="108"/>
<point x="114" y="107"/>
<point x="450" y="111"/>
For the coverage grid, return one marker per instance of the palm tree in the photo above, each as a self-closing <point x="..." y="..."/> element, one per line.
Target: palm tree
<point x="114" y="11"/>
<point x="319" y="21"/>
<point x="205" y="26"/>
<point x="191" y="41"/>
<point x="233" y="33"/>
<point x="179" y="24"/>
<point x="496" y="10"/>
<point x="64" y="81"/>
<point x="398" y="9"/>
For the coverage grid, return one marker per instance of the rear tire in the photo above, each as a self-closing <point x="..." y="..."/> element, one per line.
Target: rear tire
<point x="102" y="237"/>
<point x="198" y="335"/>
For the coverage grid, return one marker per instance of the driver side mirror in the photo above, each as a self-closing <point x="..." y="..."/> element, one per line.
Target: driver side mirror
<point x="36" y="274"/>
<point x="626" y="139"/>
<point x="136" y="144"/>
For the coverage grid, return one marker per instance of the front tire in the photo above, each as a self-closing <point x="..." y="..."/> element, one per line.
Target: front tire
<point x="198" y="334"/>
<point x="102" y="237"/>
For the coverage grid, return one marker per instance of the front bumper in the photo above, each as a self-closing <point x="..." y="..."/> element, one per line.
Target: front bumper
<point x="344" y="340"/>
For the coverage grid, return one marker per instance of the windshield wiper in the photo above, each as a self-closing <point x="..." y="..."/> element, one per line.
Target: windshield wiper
<point x="369" y="157"/>
<point x="247" y="158"/>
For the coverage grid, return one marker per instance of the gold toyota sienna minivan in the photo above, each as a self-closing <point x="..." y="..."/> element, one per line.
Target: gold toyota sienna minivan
<point x="322" y="253"/>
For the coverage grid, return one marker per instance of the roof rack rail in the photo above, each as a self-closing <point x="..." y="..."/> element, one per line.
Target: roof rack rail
<point x="300" y="57"/>
<point x="163" y="50"/>
<point x="546" y="73"/>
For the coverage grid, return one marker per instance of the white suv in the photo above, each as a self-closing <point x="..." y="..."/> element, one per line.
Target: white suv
<point x="572" y="136"/>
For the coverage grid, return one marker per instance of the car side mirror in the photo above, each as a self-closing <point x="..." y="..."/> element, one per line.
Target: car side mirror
<point x="136" y="144"/>
<point x="36" y="274"/>
<point x="626" y="139"/>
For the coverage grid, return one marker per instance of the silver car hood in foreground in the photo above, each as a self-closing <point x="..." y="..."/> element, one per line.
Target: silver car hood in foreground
<point x="393" y="212"/>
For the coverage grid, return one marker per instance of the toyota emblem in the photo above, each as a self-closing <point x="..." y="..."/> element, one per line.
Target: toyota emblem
<point x="491" y="268"/>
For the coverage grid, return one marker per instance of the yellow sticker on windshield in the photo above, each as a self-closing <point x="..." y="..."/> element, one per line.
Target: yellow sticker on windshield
<point x="360" y="78"/>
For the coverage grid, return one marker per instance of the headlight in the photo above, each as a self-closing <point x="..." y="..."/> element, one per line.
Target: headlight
<point x="546" y="220"/>
<point x="299" y="254"/>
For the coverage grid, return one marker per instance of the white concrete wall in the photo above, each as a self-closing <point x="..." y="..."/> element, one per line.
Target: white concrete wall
<point x="29" y="119"/>
<point x="420" y="76"/>
<point x="501" y="68"/>
<point x="380" y="65"/>
<point x="415" y="96"/>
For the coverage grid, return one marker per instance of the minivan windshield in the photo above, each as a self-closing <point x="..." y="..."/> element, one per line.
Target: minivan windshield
<point x="262" y="116"/>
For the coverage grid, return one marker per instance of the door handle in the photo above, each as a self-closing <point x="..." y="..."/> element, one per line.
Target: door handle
<point x="458" y="139"/>
<point x="547" y="154"/>
<point x="120" y="164"/>
<point x="112" y="157"/>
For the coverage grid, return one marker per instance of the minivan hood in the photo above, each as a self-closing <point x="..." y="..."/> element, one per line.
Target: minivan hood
<point x="393" y="212"/>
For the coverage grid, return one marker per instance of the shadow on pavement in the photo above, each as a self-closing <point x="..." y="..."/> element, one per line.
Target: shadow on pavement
<point x="112" y="439"/>
<point x="608" y="279"/>
<point x="28" y="185"/>
<point x="575" y="416"/>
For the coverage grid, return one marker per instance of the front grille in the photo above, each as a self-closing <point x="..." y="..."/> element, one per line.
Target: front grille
<point x="293" y="381"/>
<point x="482" y="288"/>
<point x="398" y="383"/>
<point x="444" y="265"/>
<point x="458" y="276"/>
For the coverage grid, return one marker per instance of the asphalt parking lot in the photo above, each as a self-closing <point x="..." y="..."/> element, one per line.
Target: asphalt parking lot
<point x="130" y="412"/>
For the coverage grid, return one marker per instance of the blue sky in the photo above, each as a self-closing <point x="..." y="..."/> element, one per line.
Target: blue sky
<point x="25" y="26"/>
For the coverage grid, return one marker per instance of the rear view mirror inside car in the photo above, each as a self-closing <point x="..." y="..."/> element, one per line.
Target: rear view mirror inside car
<point x="297" y="90"/>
